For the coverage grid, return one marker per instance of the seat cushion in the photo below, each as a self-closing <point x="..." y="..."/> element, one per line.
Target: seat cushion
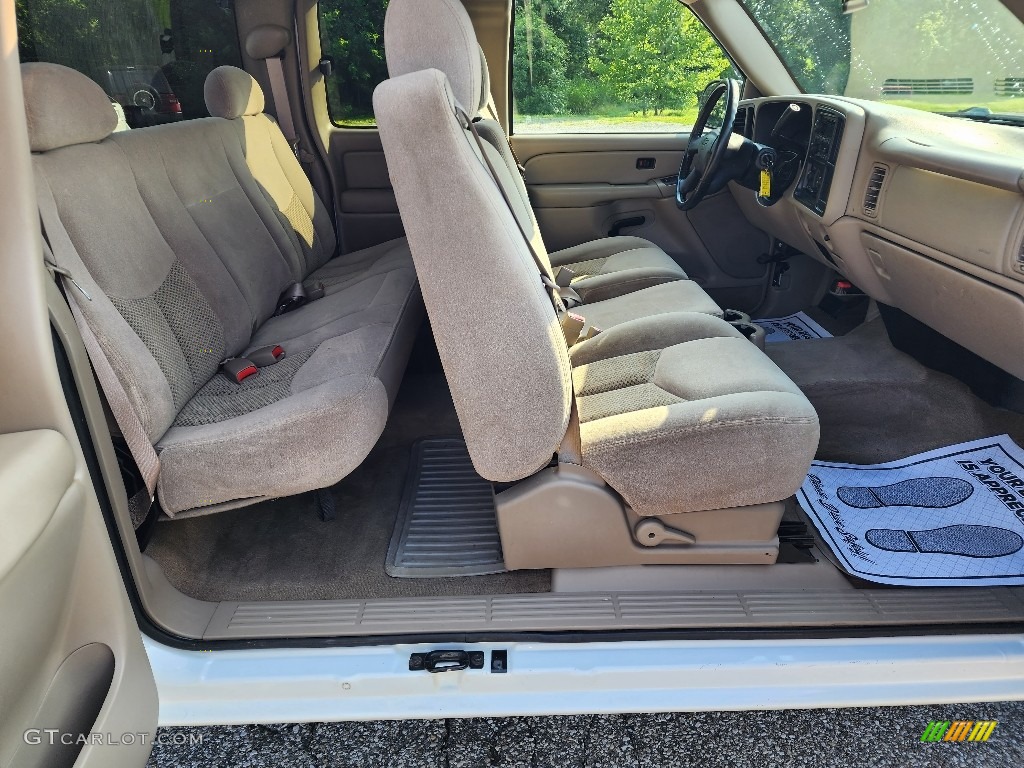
<point x="307" y="421"/>
<point x="198" y="280"/>
<point x="675" y="296"/>
<point x="301" y="424"/>
<point x="681" y="413"/>
<point x="379" y="316"/>
<point x="351" y="268"/>
<point x="614" y="266"/>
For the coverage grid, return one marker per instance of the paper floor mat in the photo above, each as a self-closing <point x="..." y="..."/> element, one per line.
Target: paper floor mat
<point x="792" y="328"/>
<point x="949" y="517"/>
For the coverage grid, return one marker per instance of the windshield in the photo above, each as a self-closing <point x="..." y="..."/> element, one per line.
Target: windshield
<point x="936" y="55"/>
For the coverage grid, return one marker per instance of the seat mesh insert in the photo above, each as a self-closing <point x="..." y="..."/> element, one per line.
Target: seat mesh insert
<point x="616" y="372"/>
<point x="223" y="399"/>
<point x="302" y="225"/>
<point x="587" y="268"/>
<point x="625" y="400"/>
<point x="181" y="331"/>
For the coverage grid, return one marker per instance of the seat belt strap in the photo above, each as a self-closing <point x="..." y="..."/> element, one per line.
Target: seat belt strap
<point x="283" y="107"/>
<point x="128" y="422"/>
<point x="570" y="451"/>
<point x="282" y="104"/>
<point x="560" y="296"/>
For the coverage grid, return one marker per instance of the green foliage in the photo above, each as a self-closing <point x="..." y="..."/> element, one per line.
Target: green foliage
<point x="93" y="36"/>
<point x="88" y="35"/>
<point x="941" y="30"/>
<point x="539" y="78"/>
<point x="610" y="57"/>
<point x="587" y="96"/>
<point x="352" y="34"/>
<point x="820" y="68"/>
<point x="575" y="22"/>
<point x="655" y="54"/>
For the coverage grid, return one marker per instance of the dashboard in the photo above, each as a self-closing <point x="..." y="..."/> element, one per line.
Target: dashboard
<point x="922" y="212"/>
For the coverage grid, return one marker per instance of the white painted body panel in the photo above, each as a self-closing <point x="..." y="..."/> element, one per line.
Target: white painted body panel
<point x="370" y="683"/>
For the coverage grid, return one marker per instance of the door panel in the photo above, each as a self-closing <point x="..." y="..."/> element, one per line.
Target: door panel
<point x="367" y="208"/>
<point x="71" y="655"/>
<point x="604" y="167"/>
<point x="586" y="186"/>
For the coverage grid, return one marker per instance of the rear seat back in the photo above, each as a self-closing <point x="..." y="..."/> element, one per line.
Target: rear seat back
<point x="195" y="182"/>
<point x="152" y="318"/>
<point x="233" y="95"/>
<point x="184" y="256"/>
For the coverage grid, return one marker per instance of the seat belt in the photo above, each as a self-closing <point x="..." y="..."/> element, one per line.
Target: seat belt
<point x="127" y="419"/>
<point x="283" y="107"/>
<point x="282" y="104"/>
<point x="561" y="296"/>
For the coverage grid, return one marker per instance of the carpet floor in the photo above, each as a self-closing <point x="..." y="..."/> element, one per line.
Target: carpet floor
<point x="874" y="402"/>
<point x="878" y="404"/>
<point x="281" y="550"/>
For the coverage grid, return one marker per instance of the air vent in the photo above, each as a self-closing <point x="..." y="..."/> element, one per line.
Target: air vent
<point x="745" y="122"/>
<point x="874" y="191"/>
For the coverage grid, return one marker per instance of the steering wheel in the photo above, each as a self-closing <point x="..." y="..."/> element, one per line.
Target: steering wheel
<point x="704" y="151"/>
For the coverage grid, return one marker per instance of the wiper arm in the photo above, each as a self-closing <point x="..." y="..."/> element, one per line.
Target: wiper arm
<point x="985" y="115"/>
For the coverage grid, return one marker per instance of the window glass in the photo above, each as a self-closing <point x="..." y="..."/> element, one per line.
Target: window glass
<point x="150" y="56"/>
<point x="949" y="56"/>
<point x="352" y="35"/>
<point x="600" y="66"/>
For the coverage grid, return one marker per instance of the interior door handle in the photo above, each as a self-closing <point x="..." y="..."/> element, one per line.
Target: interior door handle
<point x="618" y="226"/>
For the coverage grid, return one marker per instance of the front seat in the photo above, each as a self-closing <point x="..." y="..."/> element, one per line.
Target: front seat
<point x="616" y="278"/>
<point x="677" y="440"/>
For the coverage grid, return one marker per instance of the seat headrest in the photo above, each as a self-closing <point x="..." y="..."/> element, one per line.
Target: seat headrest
<point x="231" y="92"/>
<point x="435" y="34"/>
<point x="64" y="107"/>
<point x="266" y="41"/>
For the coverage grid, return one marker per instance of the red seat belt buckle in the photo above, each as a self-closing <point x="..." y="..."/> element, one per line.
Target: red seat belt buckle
<point x="238" y="369"/>
<point x="265" y="356"/>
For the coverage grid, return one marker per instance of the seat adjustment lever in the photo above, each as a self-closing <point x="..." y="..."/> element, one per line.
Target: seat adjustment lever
<point x="652" y="533"/>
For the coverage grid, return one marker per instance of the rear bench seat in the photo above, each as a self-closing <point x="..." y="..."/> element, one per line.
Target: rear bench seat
<point x="184" y="236"/>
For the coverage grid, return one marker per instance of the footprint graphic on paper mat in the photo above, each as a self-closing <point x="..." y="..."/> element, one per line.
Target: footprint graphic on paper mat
<point x="963" y="540"/>
<point x="925" y="492"/>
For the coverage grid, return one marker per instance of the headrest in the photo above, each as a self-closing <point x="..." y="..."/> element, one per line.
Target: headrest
<point x="232" y="92"/>
<point x="266" y="41"/>
<point x="435" y="34"/>
<point x="64" y="107"/>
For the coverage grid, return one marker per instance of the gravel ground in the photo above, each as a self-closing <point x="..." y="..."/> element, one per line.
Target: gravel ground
<point x="848" y="738"/>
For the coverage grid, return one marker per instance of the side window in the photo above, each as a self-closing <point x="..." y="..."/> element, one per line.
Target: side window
<point x="610" y="66"/>
<point x="150" y="56"/>
<point x="352" y="35"/>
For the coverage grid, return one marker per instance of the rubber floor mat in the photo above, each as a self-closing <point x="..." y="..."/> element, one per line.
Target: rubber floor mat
<point x="447" y="525"/>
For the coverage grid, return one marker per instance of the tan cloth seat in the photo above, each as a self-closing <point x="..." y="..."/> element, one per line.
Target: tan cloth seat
<point x="681" y="413"/>
<point x="678" y="412"/>
<point x="184" y="252"/>
<point x="613" y="266"/>
<point x="606" y="268"/>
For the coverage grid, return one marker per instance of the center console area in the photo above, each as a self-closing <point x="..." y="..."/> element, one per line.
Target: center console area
<point x="923" y="212"/>
<point x="815" y="182"/>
